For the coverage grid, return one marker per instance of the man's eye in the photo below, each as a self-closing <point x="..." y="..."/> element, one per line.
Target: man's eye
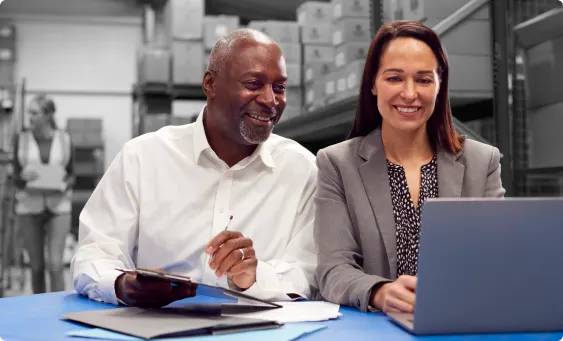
<point x="280" y="88"/>
<point x="253" y="85"/>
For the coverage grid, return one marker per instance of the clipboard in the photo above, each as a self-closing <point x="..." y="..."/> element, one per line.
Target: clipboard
<point x="51" y="178"/>
<point x="210" y="290"/>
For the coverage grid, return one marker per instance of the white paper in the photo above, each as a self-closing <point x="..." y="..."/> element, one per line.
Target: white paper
<point x="297" y="312"/>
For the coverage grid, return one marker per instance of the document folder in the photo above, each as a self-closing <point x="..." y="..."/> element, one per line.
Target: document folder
<point x="166" y="322"/>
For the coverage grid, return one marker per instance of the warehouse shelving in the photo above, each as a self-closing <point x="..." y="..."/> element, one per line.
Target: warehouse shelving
<point x="335" y="120"/>
<point x="156" y="98"/>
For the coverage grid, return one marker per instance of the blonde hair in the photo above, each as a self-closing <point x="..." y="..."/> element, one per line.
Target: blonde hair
<point x="47" y="106"/>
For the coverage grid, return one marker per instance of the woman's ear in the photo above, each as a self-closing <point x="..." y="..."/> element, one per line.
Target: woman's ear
<point x="373" y="87"/>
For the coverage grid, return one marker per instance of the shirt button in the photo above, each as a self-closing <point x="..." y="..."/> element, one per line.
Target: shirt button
<point x="221" y="210"/>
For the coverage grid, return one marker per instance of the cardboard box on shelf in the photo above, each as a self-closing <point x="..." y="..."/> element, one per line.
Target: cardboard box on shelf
<point x="80" y="125"/>
<point x="294" y="77"/>
<point x="215" y="27"/>
<point x="180" y="120"/>
<point x="544" y="71"/>
<point x="330" y="81"/>
<point x="7" y="54"/>
<point x="7" y="36"/>
<point x="315" y="94"/>
<point x="348" y="52"/>
<point x="317" y="33"/>
<point x="350" y="9"/>
<point x="206" y="55"/>
<point x="409" y="9"/>
<point x="280" y="31"/>
<point x="92" y="139"/>
<point x="154" y="122"/>
<point x="341" y="82"/>
<point x="188" y="62"/>
<point x="316" y="70"/>
<point x="544" y="128"/>
<point x="186" y="18"/>
<point x="290" y="112"/>
<point x="7" y="73"/>
<point x="294" y="96"/>
<point x="291" y="52"/>
<point x="352" y="30"/>
<point x="154" y="65"/>
<point x="318" y="53"/>
<point x="542" y="39"/>
<point x="314" y="12"/>
<point x="354" y="72"/>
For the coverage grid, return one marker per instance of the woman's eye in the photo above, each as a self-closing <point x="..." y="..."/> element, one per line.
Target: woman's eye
<point x="425" y="81"/>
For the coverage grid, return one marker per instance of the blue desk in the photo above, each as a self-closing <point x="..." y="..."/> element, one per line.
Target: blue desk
<point x="36" y="318"/>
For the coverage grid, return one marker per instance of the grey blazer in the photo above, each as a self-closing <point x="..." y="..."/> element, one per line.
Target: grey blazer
<point x="354" y="223"/>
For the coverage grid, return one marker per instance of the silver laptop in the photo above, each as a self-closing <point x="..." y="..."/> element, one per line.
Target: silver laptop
<point x="489" y="265"/>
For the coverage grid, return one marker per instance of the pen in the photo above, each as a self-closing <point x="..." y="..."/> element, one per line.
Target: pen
<point x="231" y="218"/>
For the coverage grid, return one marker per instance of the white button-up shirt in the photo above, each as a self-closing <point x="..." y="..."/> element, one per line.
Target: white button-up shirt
<point x="167" y="194"/>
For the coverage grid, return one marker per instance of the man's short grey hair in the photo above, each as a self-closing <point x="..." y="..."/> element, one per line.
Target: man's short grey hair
<point x="222" y="52"/>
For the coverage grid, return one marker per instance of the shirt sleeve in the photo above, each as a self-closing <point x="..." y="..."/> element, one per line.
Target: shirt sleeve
<point x="293" y="275"/>
<point x="108" y="230"/>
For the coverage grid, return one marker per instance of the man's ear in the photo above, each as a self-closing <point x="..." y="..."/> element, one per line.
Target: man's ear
<point x="209" y="85"/>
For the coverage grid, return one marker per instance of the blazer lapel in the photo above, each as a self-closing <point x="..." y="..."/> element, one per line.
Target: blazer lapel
<point x="376" y="183"/>
<point x="450" y="175"/>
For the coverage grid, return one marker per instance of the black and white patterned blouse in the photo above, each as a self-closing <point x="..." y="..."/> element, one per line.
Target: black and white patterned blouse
<point x="407" y="217"/>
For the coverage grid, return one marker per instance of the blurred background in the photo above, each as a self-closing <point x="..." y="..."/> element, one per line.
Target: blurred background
<point x="117" y="69"/>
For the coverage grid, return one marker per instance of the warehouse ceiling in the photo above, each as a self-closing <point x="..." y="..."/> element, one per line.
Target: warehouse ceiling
<point x="256" y="9"/>
<point x="246" y="9"/>
<point x="95" y="8"/>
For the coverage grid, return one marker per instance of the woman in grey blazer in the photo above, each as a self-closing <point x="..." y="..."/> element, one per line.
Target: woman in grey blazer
<point x="402" y="150"/>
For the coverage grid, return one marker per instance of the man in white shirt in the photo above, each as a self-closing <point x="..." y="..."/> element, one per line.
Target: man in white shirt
<point x="221" y="200"/>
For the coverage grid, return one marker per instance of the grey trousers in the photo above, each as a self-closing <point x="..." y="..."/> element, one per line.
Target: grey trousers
<point x="45" y="229"/>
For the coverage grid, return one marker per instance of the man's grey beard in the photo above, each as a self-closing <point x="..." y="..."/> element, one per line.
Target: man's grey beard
<point x="253" y="136"/>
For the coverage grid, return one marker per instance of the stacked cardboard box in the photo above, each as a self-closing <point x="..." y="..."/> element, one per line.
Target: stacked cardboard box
<point x="88" y="150"/>
<point x="187" y="27"/>
<point x="214" y="28"/>
<point x="315" y="19"/>
<point x="351" y="39"/>
<point x="286" y="34"/>
<point x="7" y="53"/>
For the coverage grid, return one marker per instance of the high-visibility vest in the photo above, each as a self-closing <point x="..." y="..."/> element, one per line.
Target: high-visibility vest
<point x="28" y="153"/>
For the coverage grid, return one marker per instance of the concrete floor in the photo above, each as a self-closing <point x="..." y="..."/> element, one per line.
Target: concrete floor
<point x="17" y="280"/>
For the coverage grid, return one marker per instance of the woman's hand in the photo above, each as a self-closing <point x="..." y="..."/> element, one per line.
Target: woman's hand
<point x="397" y="296"/>
<point x="29" y="175"/>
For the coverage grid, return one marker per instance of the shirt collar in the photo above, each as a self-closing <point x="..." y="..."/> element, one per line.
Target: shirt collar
<point x="200" y="140"/>
<point x="201" y="144"/>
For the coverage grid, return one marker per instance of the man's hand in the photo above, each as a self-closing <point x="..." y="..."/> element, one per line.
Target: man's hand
<point x="234" y="256"/>
<point x="397" y="296"/>
<point x="147" y="292"/>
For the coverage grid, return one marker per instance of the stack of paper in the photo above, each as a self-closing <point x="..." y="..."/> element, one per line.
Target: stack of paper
<point x="296" y="312"/>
